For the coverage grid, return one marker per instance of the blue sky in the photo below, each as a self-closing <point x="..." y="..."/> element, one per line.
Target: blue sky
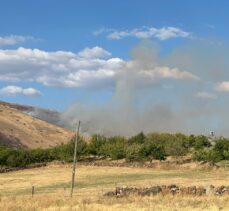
<point x="56" y="53"/>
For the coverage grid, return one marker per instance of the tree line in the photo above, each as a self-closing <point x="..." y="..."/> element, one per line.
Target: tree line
<point x="141" y="147"/>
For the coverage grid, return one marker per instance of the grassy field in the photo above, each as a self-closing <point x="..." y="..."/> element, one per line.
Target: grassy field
<point x="52" y="189"/>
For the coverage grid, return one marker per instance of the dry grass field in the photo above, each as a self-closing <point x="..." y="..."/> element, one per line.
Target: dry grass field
<point x="52" y="189"/>
<point x="18" y="128"/>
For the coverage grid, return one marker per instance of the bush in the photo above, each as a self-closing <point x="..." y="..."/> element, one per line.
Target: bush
<point x="174" y="145"/>
<point x="210" y="156"/>
<point x="114" y="147"/>
<point x="213" y="156"/>
<point x="222" y="148"/>
<point x="138" y="139"/>
<point x="95" y="145"/>
<point x="133" y="153"/>
<point x="191" y="140"/>
<point x="201" y="142"/>
<point x="65" y="152"/>
<point x="4" y="154"/>
<point x="200" y="155"/>
<point x="41" y="155"/>
<point x="18" y="158"/>
<point x="158" y="152"/>
<point x="153" y="151"/>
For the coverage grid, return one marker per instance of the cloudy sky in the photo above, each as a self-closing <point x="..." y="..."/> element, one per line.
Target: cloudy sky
<point x="164" y="60"/>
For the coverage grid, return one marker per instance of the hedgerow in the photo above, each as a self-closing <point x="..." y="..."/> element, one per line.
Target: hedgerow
<point x="140" y="147"/>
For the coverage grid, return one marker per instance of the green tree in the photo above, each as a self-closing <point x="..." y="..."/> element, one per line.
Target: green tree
<point x="95" y="145"/>
<point x="114" y="147"/>
<point x="138" y="139"/>
<point x="200" y="155"/>
<point x="19" y="158"/>
<point x="201" y="142"/>
<point x="222" y="148"/>
<point x="133" y="153"/>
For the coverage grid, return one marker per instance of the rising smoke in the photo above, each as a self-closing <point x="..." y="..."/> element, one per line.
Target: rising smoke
<point x="156" y="93"/>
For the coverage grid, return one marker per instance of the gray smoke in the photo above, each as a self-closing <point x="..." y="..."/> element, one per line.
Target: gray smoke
<point x="49" y="116"/>
<point x="159" y="93"/>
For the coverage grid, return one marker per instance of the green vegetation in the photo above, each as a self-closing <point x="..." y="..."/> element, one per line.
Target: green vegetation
<point x="21" y="157"/>
<point x="214" y="154"/>
<point x="136" y="148"/>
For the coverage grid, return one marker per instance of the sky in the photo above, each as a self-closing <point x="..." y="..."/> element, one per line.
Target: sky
<point x="153" y="61"/>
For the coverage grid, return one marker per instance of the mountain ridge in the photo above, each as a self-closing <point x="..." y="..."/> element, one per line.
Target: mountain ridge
<point x="20" y="129"/>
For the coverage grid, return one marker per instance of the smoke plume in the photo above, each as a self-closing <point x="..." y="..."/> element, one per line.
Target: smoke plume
<point x="173" y="92"/>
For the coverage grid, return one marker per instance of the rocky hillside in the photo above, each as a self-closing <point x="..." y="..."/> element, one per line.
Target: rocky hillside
<point x="19" y="129"/>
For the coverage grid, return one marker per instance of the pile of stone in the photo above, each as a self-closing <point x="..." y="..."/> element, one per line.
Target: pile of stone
<point x="170" y="189"/>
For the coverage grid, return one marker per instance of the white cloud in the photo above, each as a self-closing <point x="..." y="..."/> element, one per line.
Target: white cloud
<point x="163" y="33"/>
<point x="16" y="90"/>
<point x="95" y="52"/>
<point x="13" y="39"/>
<point x="205" y="95"/>
<point x="153" y="71"/>
<point x="59" y="68"/>
<point x="166" y="72"/>
<point x="83" y="69"/>
<point x="222" y="86"/>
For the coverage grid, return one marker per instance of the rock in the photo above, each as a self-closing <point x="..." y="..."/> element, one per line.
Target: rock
<point x="148" y="191"/>
<point x="209" y="190"/>
<point x="200" y="191"/>
<point x="165" y="190"/>
<point x="109" y="194"/>
<point x="221" y="190"/>
<point x="171" y="189"/>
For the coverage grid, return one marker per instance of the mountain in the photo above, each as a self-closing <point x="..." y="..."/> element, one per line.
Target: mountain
<point x="30" y="127"/>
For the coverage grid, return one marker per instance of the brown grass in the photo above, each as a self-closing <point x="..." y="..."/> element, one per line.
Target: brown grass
<point x="31" y="132"/>
<point x="100" y="203"/>
<point x="52" y="189"/>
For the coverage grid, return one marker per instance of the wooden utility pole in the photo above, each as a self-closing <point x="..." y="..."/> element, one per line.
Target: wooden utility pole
<point x="75" y="158"/>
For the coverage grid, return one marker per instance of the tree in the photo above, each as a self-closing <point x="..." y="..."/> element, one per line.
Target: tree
<point x="114" y="147"/>
<point x="153" y="151"/>
<point x="133" y="153"/>
<point x="138" y="139"/>
<point x="222" y="148"/>
<point x="201" y="142"/>
<point x="18" y="158"/>
<point x="95" y="145"/>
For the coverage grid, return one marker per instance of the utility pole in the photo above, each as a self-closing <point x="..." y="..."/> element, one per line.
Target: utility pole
<point x="75" y="158"/>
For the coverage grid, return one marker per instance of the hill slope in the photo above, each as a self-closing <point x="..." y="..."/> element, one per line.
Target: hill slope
<point x="18" y="129"/>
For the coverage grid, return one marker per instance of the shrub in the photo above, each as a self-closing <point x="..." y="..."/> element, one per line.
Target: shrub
<point x="222" y="148"/>
<point x="174" y="145"/>
<point x="4" y="154"/>
<point x="114" y="147"/>
<point x="138" y="139"/>
<point x="134" y="153"/>
<point x="153" y="151"/>
<point x="18" y="158"/>
<point x="209" y="155"/>
<point x="213" y="156"/>
<point x="200" y="155"/>
<point x="95" y="145"/>
<point x="65" y="152"/>
<point x="41" y="155"/>
<point x="201" y="142"/>
<point x="191" y="140"/>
